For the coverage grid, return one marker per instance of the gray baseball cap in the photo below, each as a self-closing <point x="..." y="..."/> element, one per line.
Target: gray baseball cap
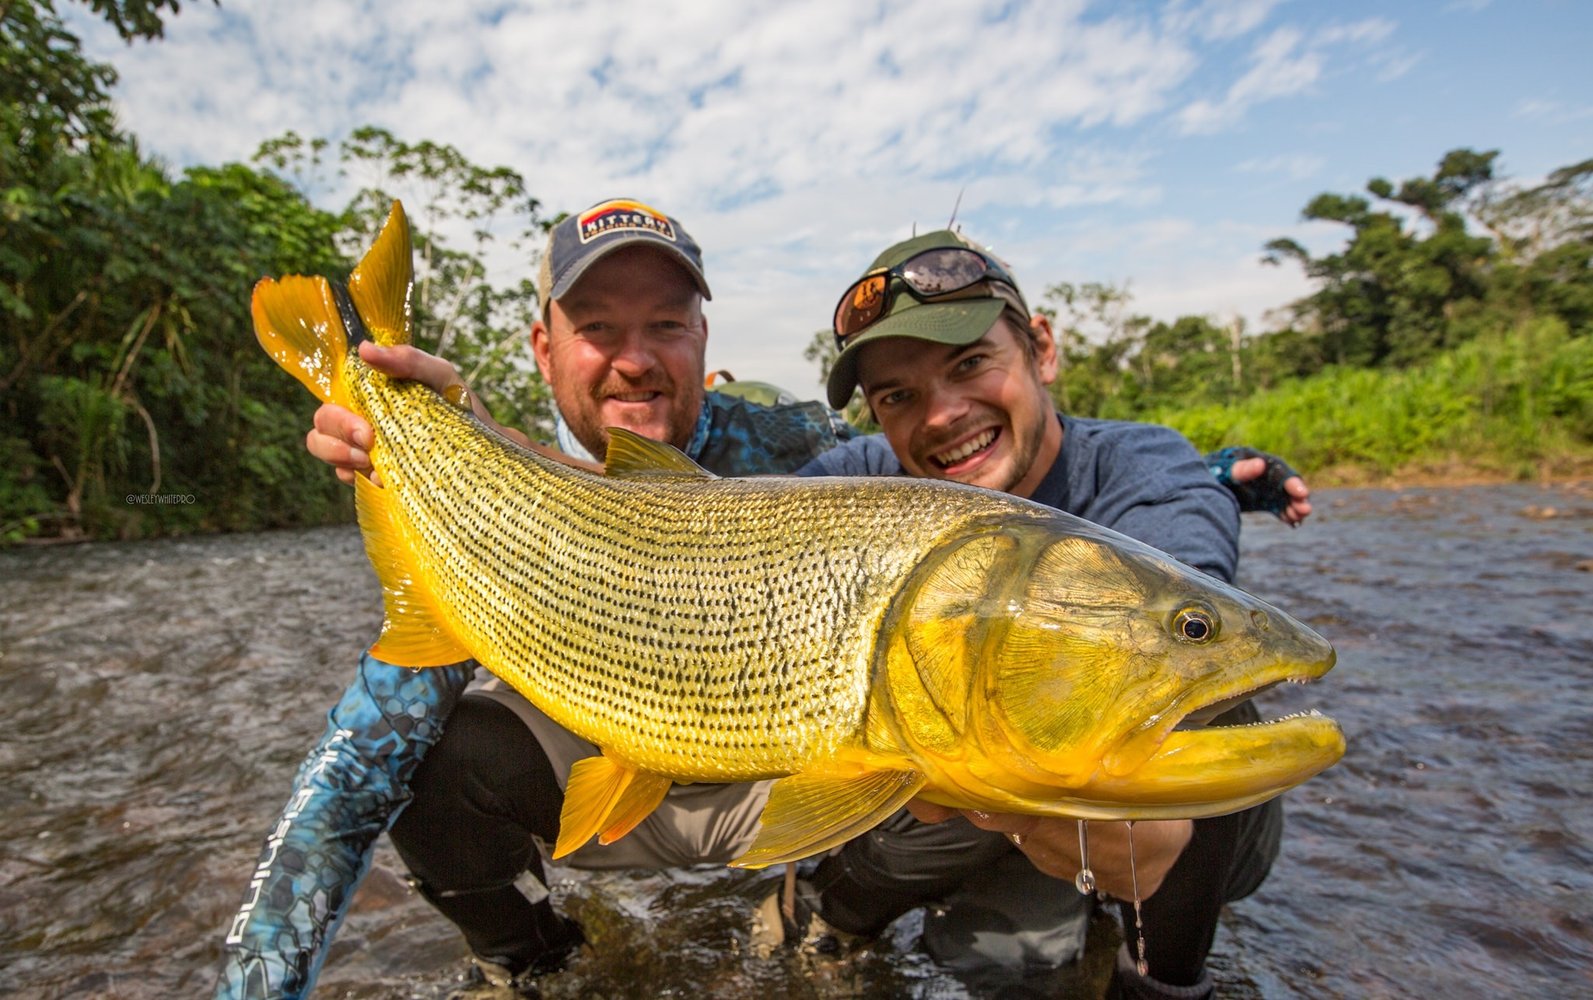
<point x="580" y="241"/>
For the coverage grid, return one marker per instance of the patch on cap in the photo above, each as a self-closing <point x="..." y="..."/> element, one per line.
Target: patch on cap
<point x="623" y="215"/>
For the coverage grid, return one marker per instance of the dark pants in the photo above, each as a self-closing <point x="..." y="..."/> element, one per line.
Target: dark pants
<point x="904" y="863"/>
<point x="1227" y="859"/>
<point x="481" y="796"/>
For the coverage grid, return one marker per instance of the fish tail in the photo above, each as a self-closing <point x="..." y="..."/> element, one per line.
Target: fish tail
<point x="309" y="326"/>
<point x="297" y="321"/>
<point x="381" y="285"/>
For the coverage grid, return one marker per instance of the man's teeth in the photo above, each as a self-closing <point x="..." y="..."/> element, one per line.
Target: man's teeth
<point x="632" y="397"/>
<point x="962" y="451"/>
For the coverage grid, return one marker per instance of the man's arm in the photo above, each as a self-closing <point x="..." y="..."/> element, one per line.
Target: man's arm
<point x="350" y="788"/>
<point x="1262" y="482"/>
<point x="343" y="439"/>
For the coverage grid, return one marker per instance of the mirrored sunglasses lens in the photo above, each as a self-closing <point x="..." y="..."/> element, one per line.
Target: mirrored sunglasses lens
<point x="861" y="306"/>
<point x="939" y="271"/>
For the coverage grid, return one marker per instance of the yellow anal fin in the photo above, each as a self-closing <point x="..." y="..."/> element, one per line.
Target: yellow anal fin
<point x="630" y="455"/>
<point x="807" y="813"/>
<point x="605" y="799"/>
<point x="296" y="321"/>
<point x="383" y="281"/>
<point x="413" y="634"/>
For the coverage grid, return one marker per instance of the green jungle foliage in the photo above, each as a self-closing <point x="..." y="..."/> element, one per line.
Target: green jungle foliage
<point x="1454" y="328"/>
<point x="134" y="399"/>
<point x="1454" y="324"/>
<point x="1518" y="402"/>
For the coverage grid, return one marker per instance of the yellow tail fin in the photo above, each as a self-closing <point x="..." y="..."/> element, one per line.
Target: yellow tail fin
<point x="308" y="329"/>
<point x="296" y="321"/>
<point x="380" y="286"/>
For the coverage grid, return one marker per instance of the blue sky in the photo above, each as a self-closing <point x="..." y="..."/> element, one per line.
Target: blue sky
<point x="1152" y="145"/>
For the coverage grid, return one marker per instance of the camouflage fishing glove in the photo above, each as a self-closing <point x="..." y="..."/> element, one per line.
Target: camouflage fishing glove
<point x="1265" y="492"/>
<point x="348" y="790"/>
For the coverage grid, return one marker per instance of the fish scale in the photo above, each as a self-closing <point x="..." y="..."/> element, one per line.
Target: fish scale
<point x="706" y="655"/>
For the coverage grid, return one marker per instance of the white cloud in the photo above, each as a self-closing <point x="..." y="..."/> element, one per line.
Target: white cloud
<point x="797" y="139"/>
<point x="1551" y="111"/>
<point x="1281" y="66"/>
<point x="1218" y="20"/>
<point x="1297" y="167"/>
<point x="1287" y="62"/>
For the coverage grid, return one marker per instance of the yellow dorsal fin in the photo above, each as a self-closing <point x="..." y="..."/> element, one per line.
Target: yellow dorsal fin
<point x="809" y="813"/>
<point x="413" y="634"/>
<point x="296" y="321"/>
<point x="605" y="799"/>
<point x="631" y="455"/>
<point x="382" y="283"/>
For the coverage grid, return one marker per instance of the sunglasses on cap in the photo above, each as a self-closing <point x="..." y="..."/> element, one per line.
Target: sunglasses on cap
<point x="931" y="276"/>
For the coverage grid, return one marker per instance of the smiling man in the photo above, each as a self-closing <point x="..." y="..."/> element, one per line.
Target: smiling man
<point x="623" y="339"/>
<point x="956" y="371"/>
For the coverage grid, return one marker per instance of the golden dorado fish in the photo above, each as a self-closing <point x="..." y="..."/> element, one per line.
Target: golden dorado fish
<point x="861" y="640"/>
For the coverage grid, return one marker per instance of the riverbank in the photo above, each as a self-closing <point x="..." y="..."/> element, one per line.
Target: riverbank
<point x="1575" y="473"/>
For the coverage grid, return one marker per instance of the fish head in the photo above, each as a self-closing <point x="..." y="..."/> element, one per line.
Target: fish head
<point x="1065" y="668"/>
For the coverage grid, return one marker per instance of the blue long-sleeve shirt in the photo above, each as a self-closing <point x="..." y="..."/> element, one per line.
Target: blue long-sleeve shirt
<point x="351" y="786"/>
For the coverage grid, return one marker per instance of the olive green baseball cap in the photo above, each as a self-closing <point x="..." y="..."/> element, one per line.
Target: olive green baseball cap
<point x="960" y="320"/>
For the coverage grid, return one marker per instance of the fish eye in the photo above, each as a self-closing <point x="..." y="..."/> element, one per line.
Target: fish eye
<point x="1195" y="624"/>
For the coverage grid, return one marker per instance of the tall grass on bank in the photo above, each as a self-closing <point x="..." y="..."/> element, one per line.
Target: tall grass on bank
<point x="1515" y="403"/>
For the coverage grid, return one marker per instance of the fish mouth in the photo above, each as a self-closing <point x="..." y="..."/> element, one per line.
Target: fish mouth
<point x="1179" y="766"/>
<point x="1219" y="770"/>
<point x="1188" y="718"/>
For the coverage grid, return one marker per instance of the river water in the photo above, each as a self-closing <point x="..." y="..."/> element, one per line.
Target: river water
<point x="156" y="697"/>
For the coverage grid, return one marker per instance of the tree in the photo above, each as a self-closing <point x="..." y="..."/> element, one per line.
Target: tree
<point x="460" y="313"/>
<point x="1096" y="338"/>
<point x="128" y="367"/>
<point x="822" y="350"/>
<point x="1386" y="298"/>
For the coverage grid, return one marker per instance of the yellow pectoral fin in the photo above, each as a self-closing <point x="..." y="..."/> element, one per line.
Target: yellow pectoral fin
<point x="413" y="634"/>
<point x="605" y="799"/>
<point x="809" y="813"/>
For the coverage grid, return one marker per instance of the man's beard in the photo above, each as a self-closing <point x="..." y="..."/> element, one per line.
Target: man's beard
<point x="589" y="428"/>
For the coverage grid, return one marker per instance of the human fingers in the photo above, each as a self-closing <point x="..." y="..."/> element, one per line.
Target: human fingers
<point x="408" y="362"/>
<point x="1122" y="861"/>
<point x="1027" y="834"/>
<point x="1246" y="469"/>
<point x="1299" y="507"/>
<point x="929" y="812"/>
<point x="341" y="438"/>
